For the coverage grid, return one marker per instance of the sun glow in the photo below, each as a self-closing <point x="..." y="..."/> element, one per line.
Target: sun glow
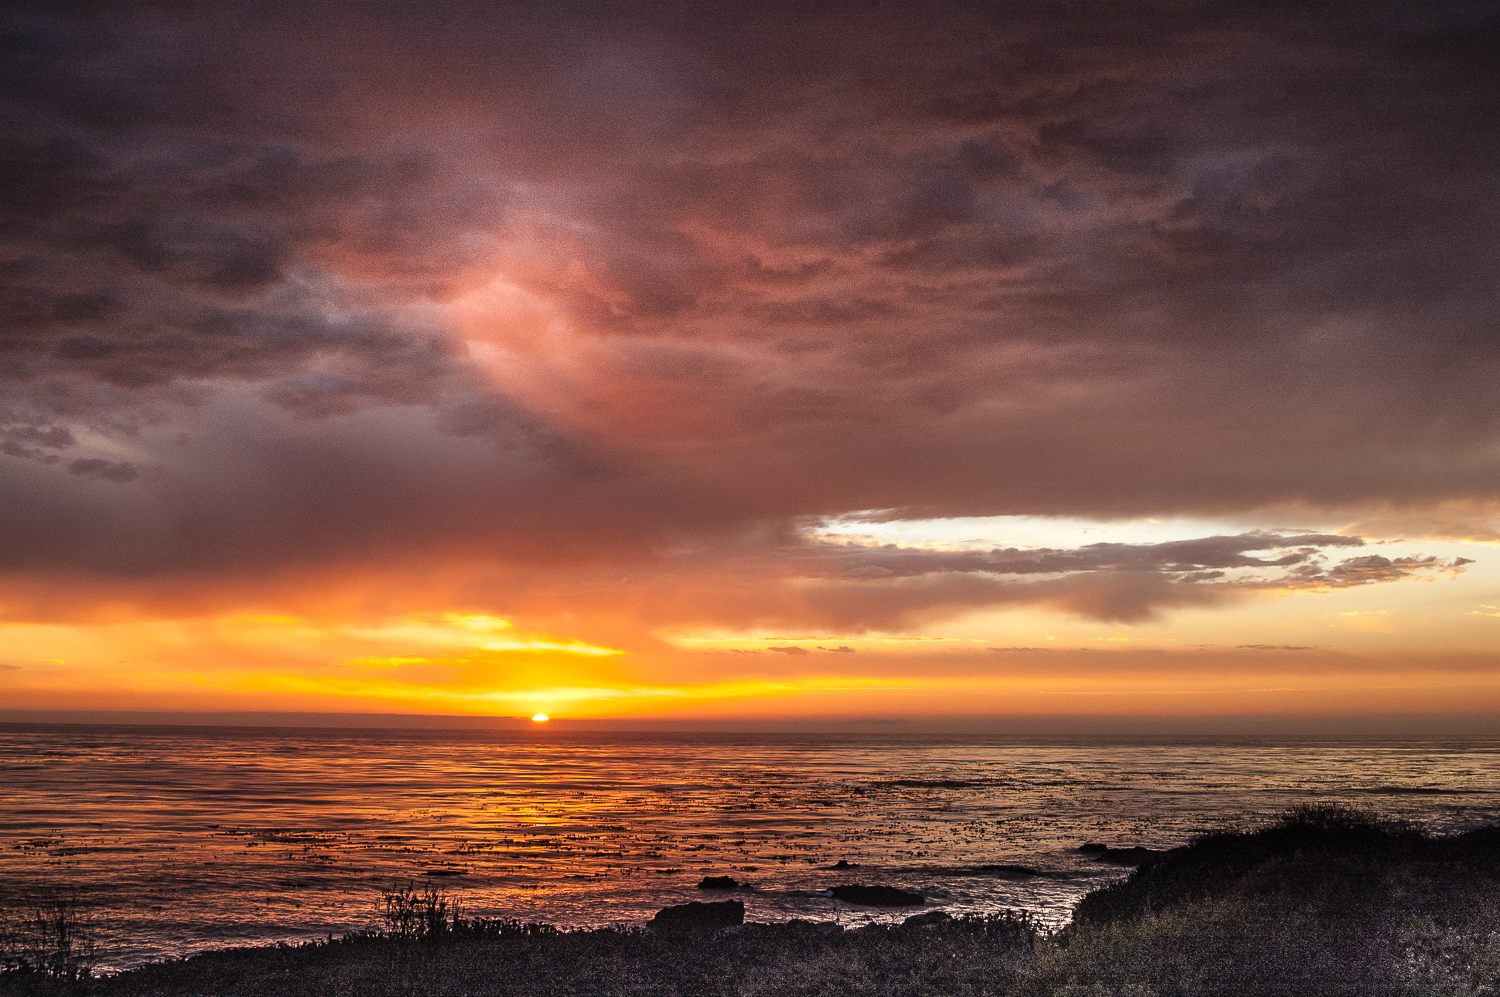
<point x="1374" y="643"/>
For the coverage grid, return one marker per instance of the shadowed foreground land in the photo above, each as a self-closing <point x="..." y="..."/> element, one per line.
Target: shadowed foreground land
<point x="1326" y="901"/>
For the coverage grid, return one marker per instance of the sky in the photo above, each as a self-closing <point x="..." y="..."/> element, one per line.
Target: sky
<point x="780" y="360"/>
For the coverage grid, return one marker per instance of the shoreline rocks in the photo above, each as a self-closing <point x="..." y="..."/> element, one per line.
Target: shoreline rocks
<point x="699" y="916"/>
<point x="1135" y="855"/>
<point x="1012" y="870"/>
<point x="876" y="896"/>
<point x="718" y="883"/>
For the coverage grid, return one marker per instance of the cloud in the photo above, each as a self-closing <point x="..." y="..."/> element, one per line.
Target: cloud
<point x="1188" y="558"/>
<point x="34" y="442"/>
<point x="1372" y="569"/>
<point x="1458" y="520"/>
<point x="1274" y="647"/>
<point x="565" y="294"/>
<point x="1112" y="582"/>
<point x="13" y="449"/>
<point x="800" y="586"/>
<point x="120" y="472"/>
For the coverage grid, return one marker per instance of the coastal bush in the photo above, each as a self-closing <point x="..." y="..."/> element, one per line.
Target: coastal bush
<point x="411" y="915"/>
<point x="1326" y="900"/>
<point x="432" y="915"/>
<point x="1221" y="947"/>
<point x="1316" y="853"/>
<point x="963" y="957"/>
<point x="1266" y="946"/>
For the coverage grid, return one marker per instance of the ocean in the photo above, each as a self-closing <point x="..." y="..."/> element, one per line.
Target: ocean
<point x="190" y="838"/>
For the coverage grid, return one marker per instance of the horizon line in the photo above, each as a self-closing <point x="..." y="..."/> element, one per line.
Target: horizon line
<point x="1387" y="724"/>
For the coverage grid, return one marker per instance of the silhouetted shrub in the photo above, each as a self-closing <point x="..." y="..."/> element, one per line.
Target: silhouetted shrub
<point x="50" y="933"/>
<point x="411" y="915"/>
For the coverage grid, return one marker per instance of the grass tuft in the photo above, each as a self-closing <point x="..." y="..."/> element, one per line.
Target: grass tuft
<point x="410" y="915"/>
<point x="50" y="934"/>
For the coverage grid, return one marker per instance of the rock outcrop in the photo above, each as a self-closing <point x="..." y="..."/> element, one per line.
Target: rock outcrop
<point x="718" y="883"/>
<point x="876" y="896"/>
<point x="697" y="916"/>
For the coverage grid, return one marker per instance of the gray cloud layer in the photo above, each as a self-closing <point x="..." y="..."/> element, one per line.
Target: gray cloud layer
<point x="782" y="262"/>
<point x="873" y="585"/>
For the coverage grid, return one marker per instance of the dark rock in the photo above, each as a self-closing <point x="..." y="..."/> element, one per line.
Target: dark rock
<point x="718" y="883"/>
<point x="1126" y="856"/>
<point x="845" y="864"/>
<point x="931" y="917"/>
<point x="1118" y="856"/>
<point x="876" y="896"/>
<point x="1012" y="870"/>
<point x="697" y="916"/>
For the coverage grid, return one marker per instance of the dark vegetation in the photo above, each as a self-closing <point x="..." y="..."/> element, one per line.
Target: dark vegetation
<point x="49" y="934"/>
<point x="1326" y="901"/>
<point x="957" y="957"/>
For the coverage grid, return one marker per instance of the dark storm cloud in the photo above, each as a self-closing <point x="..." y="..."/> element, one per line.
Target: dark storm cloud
<point x="775" y="263"/>
<point x="169" y="220"/>
<point x="120" y="472"/>
<point x="34" y="442"/>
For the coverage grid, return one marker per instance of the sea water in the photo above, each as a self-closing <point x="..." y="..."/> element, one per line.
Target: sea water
<point x="184" y="839"/>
